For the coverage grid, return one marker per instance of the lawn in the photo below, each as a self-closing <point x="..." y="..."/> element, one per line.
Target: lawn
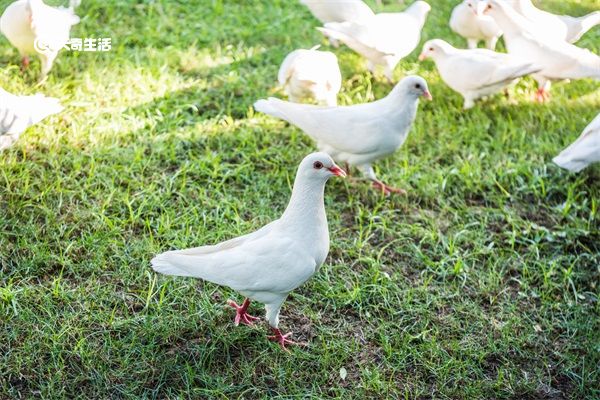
<point x="482" y="282"/>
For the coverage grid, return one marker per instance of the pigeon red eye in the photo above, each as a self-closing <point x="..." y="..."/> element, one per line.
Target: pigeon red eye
<point x="318" y="165"/>
<point x="431" y="49"/>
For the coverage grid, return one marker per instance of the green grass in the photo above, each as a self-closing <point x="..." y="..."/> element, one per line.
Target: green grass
<point x="483" y="282"/>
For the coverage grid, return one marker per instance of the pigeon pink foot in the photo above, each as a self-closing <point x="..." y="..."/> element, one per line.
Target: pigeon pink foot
<point x="283" y="339"/>
<point x="385" y="189"/>
<point x="240" y="313"/>
<point x="542" y="95"/>
<point x="25" y="63"/>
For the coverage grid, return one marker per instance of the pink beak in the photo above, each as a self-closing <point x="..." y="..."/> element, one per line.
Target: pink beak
<point x="422" y="56"/>
<point x="428" y="95"/>
<point x="337" y="171"/>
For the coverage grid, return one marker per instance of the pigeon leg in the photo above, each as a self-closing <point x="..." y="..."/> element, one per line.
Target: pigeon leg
<point x="241" y="315"/>
<point x="542" y="95"/>
<point x="283" y="339"/>
<point x="491" y="42"/>
<point x="368" y="171"/>
<point x="385" y="189"/>
<point x="25" y="63"/>
<point x="472" y="43"/>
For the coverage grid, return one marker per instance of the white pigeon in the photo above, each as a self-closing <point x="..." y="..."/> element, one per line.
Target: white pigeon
<point x="266" y="265"/>
<point x="311" y="74"/>
<point x="556" y="59"/>
<point x="338" y="10"/>
<point x="562" y="27"/>
<point x="383" y="39"/>
<point x="584" y="151"/>
<point x="467" y="19"/>
<point x="17" y="113"/>
<point x="36" y="28"/>
<point x="359" y="134"/>
<point x="475" y="73"/>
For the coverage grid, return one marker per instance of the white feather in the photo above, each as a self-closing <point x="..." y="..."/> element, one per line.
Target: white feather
<point x="311" y="74"/>
<point x="385" y="38"/>
<point x="32" y="26"/>
<point x="584" y="151"/>
<point x="17" y="113"/>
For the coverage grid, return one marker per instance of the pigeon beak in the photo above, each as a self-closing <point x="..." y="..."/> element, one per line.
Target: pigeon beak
<point x="422" y="56"/>
<point x="428" y="95"/>
<point x="337" y="171"/>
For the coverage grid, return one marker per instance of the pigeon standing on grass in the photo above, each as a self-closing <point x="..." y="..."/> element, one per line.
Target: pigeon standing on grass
<point x="584" y="151"/>
<point x="556" y="59"/>
<point x="383" y="39"/>
<point x="562" y="27"/>
<point x="467" y="19"/>
<point x="311" y="74"/>
<point x="17" y="113"/>
<point x="268" y="264"/>
<point x="475" y="73"/>
<point x="36" y="28"/>
<point x="359" y="134"/>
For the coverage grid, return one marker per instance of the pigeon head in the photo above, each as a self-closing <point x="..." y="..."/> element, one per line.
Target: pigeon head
<point x="477" y="7"/>
<point x="413" y="86"/>
<point x="434" y="49"/>
<point x="319" y="166"/>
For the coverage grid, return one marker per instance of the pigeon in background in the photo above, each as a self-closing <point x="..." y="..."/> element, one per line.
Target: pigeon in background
<point x="584" y="151"/>
<point x="467" y="19"/>
<point x="266" y="265"/>
<point x="475" y="73"/>
<point x="556" y="59"/>
<point x="36" y="28"/>
<point x="359" y="134"/>
<point x="383" y="39"/>
<point x="338" y="11"/>
<point x="17" y="113"/>
<point x="563" y="27"/>
<point x="311" y="74"/>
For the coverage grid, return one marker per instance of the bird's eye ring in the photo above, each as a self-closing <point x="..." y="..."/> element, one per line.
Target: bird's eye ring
<point x="318" y="165"/>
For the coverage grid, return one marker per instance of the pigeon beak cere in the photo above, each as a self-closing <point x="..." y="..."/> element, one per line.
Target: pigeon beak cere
<point x="422" y="56"/>
<point x="428" y="95"/>
<point x="337" y="171"/>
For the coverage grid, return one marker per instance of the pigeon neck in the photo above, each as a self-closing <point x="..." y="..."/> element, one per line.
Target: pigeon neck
<point x="510" y="20"/>
<point x="306" y="203"/>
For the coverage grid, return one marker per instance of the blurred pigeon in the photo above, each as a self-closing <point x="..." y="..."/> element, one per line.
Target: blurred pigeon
<point x="36" y="28"/>
<point x="562" y="27"/>
<point x="359" y="134"/>
<point x="475" y="73"/>
<point x="383" y="39"/>
<point x="468" y="21"/>
<point x="17" y="113"/>
<point x="311" y="74"/>
<point x="556" y="59"/>
<point x="338" y="11"/>
<point x="584" y="151"/>
<point x="266" y="265"/>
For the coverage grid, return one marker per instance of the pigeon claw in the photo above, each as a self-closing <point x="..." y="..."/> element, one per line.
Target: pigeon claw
<point x="542" y="95"/>
<point x="283" y="339"/>
<point x="386" y="190"/>
<point x="240" y="313"/>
